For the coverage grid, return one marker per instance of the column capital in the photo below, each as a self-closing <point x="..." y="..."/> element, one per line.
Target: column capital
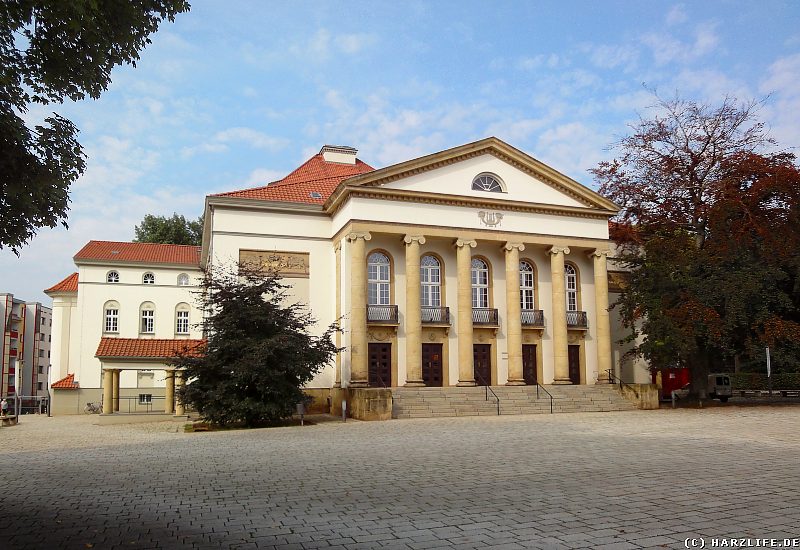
<point x="337" y="246"/>
<point x="460" y="243"/>
<point x="511" y="246"/>
<point x="598" y="252"/>
<point x="554" y="250"/>
<point x="408" y="239"/>
<point x="355" y="235"/>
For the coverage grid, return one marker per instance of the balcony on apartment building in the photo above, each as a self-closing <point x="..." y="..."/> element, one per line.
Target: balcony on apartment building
<point x="434" y="315"/>
<point x="533" y="318"/>
<point x="382" y="314"/>
<point x="577" y="319"/>
<point x="485" y="316"/>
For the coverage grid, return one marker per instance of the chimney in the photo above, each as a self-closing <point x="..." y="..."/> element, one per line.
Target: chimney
<point x="339" y="154"/>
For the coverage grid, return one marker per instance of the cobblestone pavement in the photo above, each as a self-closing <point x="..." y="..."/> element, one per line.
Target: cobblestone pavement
<point x="598" y="480"/>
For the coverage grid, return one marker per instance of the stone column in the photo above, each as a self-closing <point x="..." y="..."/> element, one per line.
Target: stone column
<point x="602" y="325"/>
<point x="108" y="391"/>
<point x="169" y="392"/>
<point x="559" y="322"/>
<point x="337" y="248"/>
<point x="413" y="316"/>
<point x="179" y="381"/>
<point x="359" y="377"/>
<point x="115" y="374"/>
<point x="513" y="314"/>
<point x="466" y="370"/>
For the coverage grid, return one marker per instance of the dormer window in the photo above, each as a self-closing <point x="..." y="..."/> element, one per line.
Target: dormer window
<point x="315" y="195"/>
<point x="149" y="279"/>
<point x="488" y="182"/>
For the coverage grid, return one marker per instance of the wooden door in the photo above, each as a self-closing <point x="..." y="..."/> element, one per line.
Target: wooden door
<point x="380" y="365"/>
<point x="432" y="364"/>
<point x="482" y="363"/>
<point x="529" y="364"/>
<point x="575" y="364"/>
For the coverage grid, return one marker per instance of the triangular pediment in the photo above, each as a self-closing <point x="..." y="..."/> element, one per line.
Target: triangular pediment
<point x="451" y="172"/>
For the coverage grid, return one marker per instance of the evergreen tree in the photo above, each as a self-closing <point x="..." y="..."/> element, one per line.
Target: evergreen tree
<point x="259" y="350"/>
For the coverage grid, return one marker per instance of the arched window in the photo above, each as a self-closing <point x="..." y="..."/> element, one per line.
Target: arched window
<point x="430" y="276"/>
<point x="378" y="279"/>
<point x="182" y="318"/>
<point x="149" y="279"/>
<point x="487" y="182"/>
<point x="147" y="316"/>
<point x="480" y="283"/>
<point x="571" y="280"/>
<point x="526" y="286"/>
<point x="183" y="279"/>
<point x="112" y="277"/>
<point x="111" y="317"/>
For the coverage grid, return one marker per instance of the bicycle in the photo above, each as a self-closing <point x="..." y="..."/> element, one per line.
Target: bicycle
<point x="93" y="408"/>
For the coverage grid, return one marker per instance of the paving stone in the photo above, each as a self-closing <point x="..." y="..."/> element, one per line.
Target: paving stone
<point x="628" y="479"/>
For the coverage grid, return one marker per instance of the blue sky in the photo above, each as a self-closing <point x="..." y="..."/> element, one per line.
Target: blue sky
<point x="237" y="94"/>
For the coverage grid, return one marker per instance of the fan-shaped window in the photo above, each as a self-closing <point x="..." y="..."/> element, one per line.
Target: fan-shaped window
<point x="183" y="279"/>
<point x="571" y="280"/>
<point x="147" y="315"/>
<point x="149" y="279"/>
<point x="480" y="283"/>
<point x="112" y="277"/>
<point x="430" y="275"/>
<point x="526" y="288"/>
<point x="111" y="312"/>
<point x="487" y="182"/>
<point x="378" y="279"/>
<point x="182" y="319"/>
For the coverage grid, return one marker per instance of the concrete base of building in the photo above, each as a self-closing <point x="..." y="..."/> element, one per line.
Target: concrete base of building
<point x="106" y="419"/>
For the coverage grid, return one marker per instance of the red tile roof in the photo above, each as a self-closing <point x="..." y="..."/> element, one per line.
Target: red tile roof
<point x="140" y="253"/>
<point x="129" y="348"/>
<point x="66" y="383"/>
<point x="314" y="175"/>
<point x="68" y="284"/>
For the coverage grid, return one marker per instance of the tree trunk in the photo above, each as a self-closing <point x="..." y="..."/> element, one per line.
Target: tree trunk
<point x="699" y="387"/>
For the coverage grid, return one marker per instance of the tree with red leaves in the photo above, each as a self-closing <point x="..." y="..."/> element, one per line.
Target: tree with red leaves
<point x="709" y="230"/>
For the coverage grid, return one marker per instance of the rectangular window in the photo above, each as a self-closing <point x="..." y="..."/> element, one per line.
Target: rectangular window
<point x="39" y="386"/>
<point x="182" y="326"/>
<point x="112" y="320"/>
<point x="41" y="369"/>
<point x="480" y="297"/>
<point x="41" y="353"/>
<point x="148" y="321"/>
<point x="526" y="298"/>
<point x="145" y="398"/>
<point x="41" y="336"/>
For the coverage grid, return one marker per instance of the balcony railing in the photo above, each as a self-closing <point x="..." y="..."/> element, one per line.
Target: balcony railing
<point x="382" y="314"/>
<point x="577" y="319"/>
<point x="533" y="317"/>
<point x="484" y="316"/>
<point x="436" y="315"/>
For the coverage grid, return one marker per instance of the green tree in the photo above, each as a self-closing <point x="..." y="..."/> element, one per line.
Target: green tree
<point x="259" y="351"/>
<point x="51" y="51"/>
<point x="708" y="229"/>
<point x="174" y="230"/>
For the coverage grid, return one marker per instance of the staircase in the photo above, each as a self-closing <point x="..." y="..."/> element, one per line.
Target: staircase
<point x="471" y="401"/>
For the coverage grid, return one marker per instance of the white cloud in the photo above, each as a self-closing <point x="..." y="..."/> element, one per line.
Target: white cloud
<point x="263" y="176"/>
<point x="677" y="14"/>
<point x="668" y="49"/>
<point x="609" y="57"/>
<point x="221" y="141"/>
<point x="783" y="83"/>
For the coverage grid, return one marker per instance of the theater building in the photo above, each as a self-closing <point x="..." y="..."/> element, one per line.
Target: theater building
<point x="470" y="266"/>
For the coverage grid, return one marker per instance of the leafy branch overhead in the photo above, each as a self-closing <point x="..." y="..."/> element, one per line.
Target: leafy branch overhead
<point x="52" y="51"/>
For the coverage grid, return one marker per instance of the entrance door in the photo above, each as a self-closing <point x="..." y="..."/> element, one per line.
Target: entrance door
<point x="482" y="364"/>
<point x="575" y="364"/>
<point x="529" y="364"/>
<point x="432" y="364"/>
<point x="380" y="365"/>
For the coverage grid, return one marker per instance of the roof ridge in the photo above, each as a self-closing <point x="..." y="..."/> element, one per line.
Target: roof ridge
<point x="140" y="243"/>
